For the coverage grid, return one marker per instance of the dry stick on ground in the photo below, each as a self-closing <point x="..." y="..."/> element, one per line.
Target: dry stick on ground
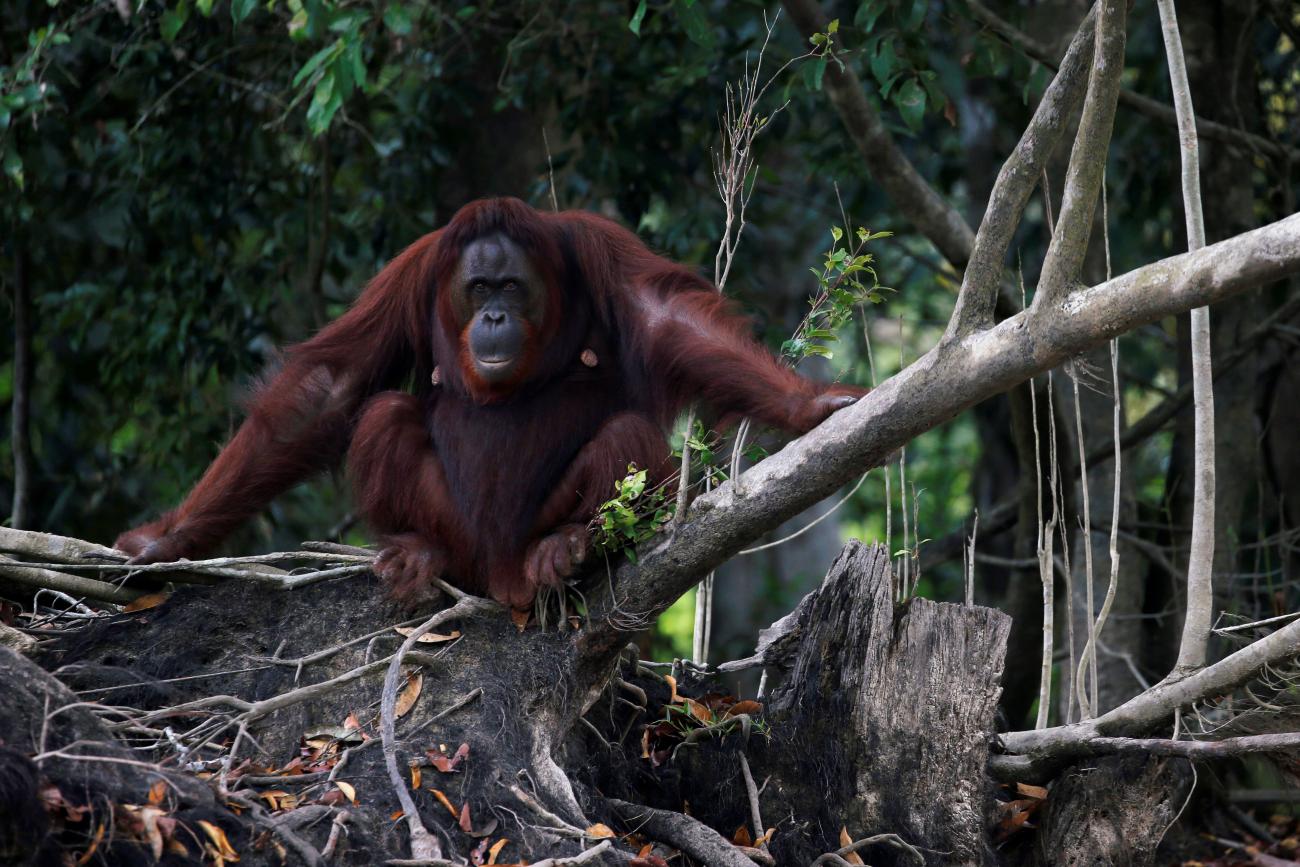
<point x="680" y="831"/>
<point x="1280" y="742"/>
<point x="74" y="585"/>
<point x="751" y="790"/>
<point x="1200" y="557"/>
<point x="423" y="843"/>
<point x="838" y="856"/>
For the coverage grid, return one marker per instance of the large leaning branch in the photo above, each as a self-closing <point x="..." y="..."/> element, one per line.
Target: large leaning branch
<point x="950" y="378"/>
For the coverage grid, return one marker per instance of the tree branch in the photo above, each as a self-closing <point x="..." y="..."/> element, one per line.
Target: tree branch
<point x="1069" y="245"/>
<point x="953" y="376"/>
<point x="1158" y="703"/>
<point x="1016" y="182"/>
<point x="1200" y="557"/>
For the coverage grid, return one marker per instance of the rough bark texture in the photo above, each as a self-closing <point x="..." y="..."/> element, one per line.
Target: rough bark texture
<point x="888" y="715"/>
<point x="1112" y="811"/>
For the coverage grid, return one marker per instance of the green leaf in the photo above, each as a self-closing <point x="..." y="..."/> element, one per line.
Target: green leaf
<point x="834" y="26"/>
<point x="325" y="103"/>
<point x="884" y="62"/>
<point x="204" y="7"/>
<point x="4" y="118"/>
<point x="694" y="22"/>
<point x="358" y="63"/>
<point x="837" y="233"/>
<point x="637" y="17"/>
<point x="241" y="9"/>
<point x="315" y="62"/>
<point x="814" y="72"/>
<point x="397" y="18"/>
<point x="910" y="100"/>
<point x="173" y="20"/>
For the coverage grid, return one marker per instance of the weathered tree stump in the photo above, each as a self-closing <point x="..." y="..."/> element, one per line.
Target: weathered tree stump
<point x="884" y="721"/>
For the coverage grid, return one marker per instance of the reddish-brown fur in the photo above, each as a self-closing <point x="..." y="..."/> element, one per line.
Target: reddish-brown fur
<point x="492" y="487"/>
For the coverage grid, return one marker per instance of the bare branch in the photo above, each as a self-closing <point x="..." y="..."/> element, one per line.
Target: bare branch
<point x="1015" y="184"/>
<point x="1069" y="245"/>
<point x="1200" y="557"/>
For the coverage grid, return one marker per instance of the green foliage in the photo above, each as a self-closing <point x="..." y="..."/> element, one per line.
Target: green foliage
<point x="632" y="516"/>
<point x="846" y="280"/>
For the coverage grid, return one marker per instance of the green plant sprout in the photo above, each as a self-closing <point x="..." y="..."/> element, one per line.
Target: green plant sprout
<point x="846" y="279"/>
<point x="632" y="516"/>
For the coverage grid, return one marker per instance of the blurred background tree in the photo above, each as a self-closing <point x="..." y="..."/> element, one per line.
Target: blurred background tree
<point x="188" y="185"/>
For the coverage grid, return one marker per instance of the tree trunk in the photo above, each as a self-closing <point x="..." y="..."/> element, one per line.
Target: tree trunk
<point x="884" y="721"/>
<point x="1114" y="811"/>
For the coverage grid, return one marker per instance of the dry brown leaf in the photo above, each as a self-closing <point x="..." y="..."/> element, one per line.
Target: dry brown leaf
<point x="444" y="764"/>
<point x="519" y="618"/>
<point x="397" y="814"/>
<point x="347" y="789"/>
<point x="352" y="723"/>
<point x="1031" y="791"/>
<point x="466" y="824"/>
<point x="219" y="842"/>
<point x="446" y="802"/>
<point x="278" y="799"/>
<point x="747" y="706"/>
<point x="415" y="776"/>
<point x="410" y="693"/>
<point x="766" y="838"/>
<point x="672" y="685"/>
<point x="147" y="601"/>
<point x="645" y="742"/>
<point x="428" y="637"/>
<point x="496" y="850"/>
<point x="645" y="850"/>
<point x="742" y="837"/>
<point x="845" y="840"/>
<point x="699" y="711"/>
<point x="600" y="831"/>
<point x="157" y="793"/>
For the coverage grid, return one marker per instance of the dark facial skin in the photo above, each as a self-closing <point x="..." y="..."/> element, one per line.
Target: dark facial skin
<point x="499" y="302"/>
